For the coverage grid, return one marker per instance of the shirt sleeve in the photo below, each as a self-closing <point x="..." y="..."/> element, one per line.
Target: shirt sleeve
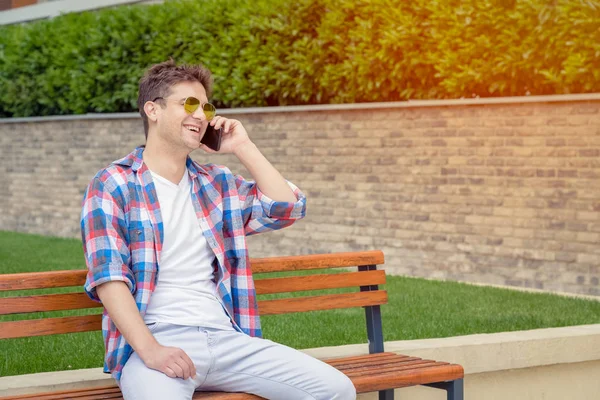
<point x="261" y="213"/>
<point x="104" y="236"/>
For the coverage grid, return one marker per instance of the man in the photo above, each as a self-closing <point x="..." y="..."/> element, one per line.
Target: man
<point x="164" y="241"/>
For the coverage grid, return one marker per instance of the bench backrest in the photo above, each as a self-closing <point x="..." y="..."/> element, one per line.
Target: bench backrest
<point x="367" y="279"/>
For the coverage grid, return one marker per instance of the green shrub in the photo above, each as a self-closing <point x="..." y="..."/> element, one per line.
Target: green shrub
<point x="279" y="52"/>
<point x="385" y="50"/>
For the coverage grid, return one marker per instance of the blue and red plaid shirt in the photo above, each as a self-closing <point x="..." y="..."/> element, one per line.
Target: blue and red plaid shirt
<point x="122" y="233"/>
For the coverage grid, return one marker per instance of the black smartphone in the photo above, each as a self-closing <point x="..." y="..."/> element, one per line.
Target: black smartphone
<point x="212" y="137"/>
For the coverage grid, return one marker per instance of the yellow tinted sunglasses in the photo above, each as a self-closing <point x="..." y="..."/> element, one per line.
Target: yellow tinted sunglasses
<point x="191" y="104"/>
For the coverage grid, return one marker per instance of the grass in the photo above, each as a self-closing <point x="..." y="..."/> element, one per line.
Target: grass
<point x="417" y="309"/>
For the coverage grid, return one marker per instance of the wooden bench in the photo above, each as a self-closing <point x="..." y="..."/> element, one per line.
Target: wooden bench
<point x="377" y="371"/>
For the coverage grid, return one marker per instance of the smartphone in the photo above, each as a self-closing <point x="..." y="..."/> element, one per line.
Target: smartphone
<point x="212" y="137"/>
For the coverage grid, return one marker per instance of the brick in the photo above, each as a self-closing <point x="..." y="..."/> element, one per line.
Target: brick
<point x="588" y="258"/>
<point x="585" y="109"/>
<point x="566" y="153"/>
<point x="514" y="142"/>
<point x="594" y="228"/>
<point x="503" y="152"/>
<point x="560" y="121"/>
<point x="589" y="174"/>
<point x="566" y="257"/>
<point x="567" y="173"/>
<point x="556" y="142"/>
<point x="577" y="142"/>
<point x="589" y="237"/>
<point x="503" y="131"/>
<point x="589" y="153"/>
<point x="495" y="162"/>
<point x="546" y="173"/>
<point x="577" y="120"/>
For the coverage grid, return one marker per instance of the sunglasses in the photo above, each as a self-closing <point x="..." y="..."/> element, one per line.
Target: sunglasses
<point x="191" y="104"/>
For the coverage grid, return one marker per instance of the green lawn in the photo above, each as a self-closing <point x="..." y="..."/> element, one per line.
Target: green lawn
<point x="417" y="309"/>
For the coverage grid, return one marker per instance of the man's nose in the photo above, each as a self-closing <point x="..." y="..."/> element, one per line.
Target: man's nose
<point x="199" y="114"/>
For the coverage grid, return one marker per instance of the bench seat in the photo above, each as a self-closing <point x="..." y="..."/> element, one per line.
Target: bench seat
<point x="369" y="373"/>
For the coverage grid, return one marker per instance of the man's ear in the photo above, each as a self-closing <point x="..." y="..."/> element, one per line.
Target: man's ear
<point x="151" y="110"/>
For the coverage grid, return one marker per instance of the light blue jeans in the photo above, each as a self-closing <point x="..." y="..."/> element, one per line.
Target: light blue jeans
<point x="231" y="361"/>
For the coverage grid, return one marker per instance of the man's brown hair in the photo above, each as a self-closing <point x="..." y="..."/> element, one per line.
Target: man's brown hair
<point x="160" y="78"/>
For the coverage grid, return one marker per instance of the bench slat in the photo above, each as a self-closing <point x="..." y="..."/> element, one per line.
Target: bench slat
<point x="317" y="282"/>
<point x="42" y="280"/>
<point x="110" y="392"/>
<point x="411" y="377"/>
<point x="354" y="359"/>
<point x="382" y="369"/>
<point x="52" y="279"/>
<point x="325" y="302"/>
<point x="47" y="302"/>
<point x="378" y="362"/>
<point x="316" y="261"/>
<point x="50" y="326"/>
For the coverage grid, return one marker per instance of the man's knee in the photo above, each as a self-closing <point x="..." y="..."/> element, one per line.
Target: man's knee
<point x="346" y="389"/>
<point x="339" y="387"/>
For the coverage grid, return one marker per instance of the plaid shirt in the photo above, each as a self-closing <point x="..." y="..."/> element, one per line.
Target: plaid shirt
<point x="122" y="233"/>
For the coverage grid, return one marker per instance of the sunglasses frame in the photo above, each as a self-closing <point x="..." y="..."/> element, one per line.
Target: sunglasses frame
<point x="191" y="108"/>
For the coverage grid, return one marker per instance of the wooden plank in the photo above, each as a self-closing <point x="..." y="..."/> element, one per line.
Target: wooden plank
<point x="52" y="279"/>
<point x="412" y="377"/>
<point x="50" y="326"/>
<point x="377" y="363"/>
<point x="351" y="363"/>
<point x="103" y="392"/>
<point x="325" y="302"/>
<point x="383" y="369"/>
<point x="318" y="282"/>
<point x="48" y="302"/>
<point x="41" y="280"/>
<point x="374" y="356"/>
<point x="316" y="261"/>
<point x="113" y="392"/>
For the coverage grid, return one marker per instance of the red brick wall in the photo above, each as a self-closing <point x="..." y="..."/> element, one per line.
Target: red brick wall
<point x="506" y="194"/>
<point x="22" y="3"/>
<point x="5" y="5"/>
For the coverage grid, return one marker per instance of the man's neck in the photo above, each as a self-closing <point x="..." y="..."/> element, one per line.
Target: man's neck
<point x="164" y="161"/>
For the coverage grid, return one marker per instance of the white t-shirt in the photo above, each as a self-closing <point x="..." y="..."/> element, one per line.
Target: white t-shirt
<point x="186" y="291"/>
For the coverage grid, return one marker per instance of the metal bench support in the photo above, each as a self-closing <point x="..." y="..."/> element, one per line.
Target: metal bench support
<point x="374" y="329"/>
<point x="455" y="389"/>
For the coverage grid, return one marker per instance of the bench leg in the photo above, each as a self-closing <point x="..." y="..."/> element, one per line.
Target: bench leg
<point x="386" y="394"/>
<point x="454" y="389"/>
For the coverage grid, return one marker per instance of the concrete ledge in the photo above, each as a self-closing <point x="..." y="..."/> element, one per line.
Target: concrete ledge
<point x="56" y="8"/>
<point x="482" y="355"/>
<point x="558" y="98"/>
<point x="494" y="351"/>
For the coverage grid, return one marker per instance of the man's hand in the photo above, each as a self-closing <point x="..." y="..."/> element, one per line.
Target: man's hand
<point x="234" y="135"/>
<point x="171" y="361"/>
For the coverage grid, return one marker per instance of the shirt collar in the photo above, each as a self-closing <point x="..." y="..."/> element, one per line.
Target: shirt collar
<point x="135" y="161"/>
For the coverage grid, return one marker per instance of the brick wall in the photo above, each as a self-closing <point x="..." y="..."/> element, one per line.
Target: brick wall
<point x="465" y="190"/>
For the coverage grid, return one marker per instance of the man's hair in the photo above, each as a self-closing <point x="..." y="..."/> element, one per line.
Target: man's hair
<point x="160" y="78"/>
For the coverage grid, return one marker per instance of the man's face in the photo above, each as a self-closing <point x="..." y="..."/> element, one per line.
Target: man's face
<point x="175" y="127"/>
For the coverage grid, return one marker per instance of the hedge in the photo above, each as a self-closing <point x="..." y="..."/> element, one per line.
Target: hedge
<point x="281" y="52"/>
